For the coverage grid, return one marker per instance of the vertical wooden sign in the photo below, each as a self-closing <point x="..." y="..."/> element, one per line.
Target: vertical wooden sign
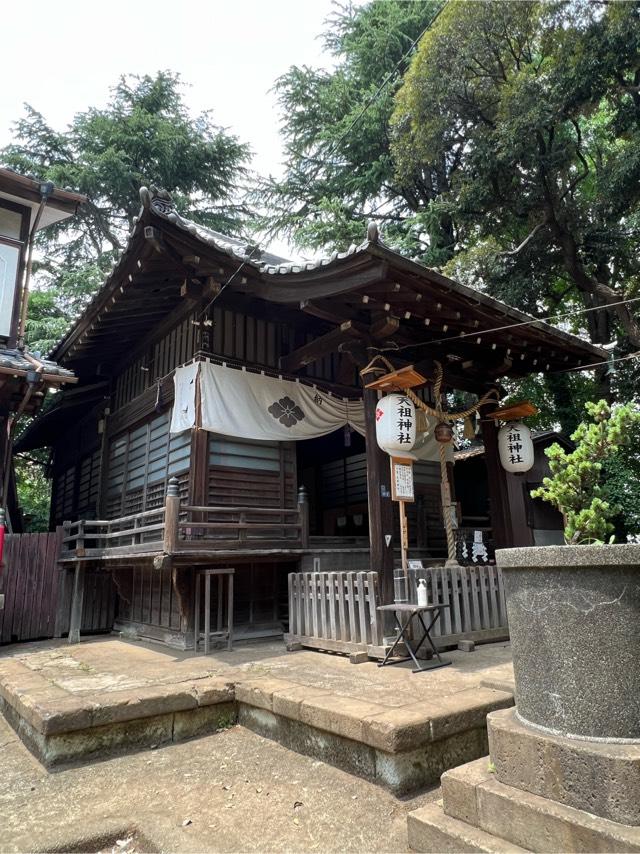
<point x="402" y="490"/>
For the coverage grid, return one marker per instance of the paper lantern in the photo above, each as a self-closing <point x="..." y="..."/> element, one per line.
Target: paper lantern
<point x="515" y="447"/>
<point x="396" y="424"/>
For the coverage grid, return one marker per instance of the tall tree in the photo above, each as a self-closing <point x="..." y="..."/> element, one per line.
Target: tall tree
<point x="145" y="135"/>
<point x="338" y="171"/>
<point x="536" y="109"/>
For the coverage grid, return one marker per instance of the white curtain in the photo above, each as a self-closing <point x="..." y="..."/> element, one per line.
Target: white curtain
<point x="254" y="406"/>
<point x="183" y="416"/>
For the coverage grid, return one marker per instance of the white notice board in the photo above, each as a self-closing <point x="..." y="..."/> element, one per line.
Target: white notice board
<point x="402" y="480"/>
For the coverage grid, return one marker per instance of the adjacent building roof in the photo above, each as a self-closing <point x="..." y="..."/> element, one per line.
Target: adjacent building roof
<point x="16" y="363"/>
<point x="26" y="191"/>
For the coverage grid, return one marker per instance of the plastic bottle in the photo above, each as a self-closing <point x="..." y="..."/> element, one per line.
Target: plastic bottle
<point x="422" y="593"/>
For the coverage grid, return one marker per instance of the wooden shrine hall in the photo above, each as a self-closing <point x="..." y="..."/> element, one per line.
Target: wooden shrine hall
<point x="220" y="419"/>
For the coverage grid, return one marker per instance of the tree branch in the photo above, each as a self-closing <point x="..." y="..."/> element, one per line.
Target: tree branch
<point x="527" y="239"/>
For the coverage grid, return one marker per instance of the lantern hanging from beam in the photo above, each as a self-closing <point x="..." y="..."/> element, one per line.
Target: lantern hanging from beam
<point x="396" y="424"/>
<point x="515" y="447"/>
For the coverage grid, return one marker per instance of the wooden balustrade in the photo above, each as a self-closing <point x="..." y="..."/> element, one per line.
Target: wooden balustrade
<point x="176" y="528"/>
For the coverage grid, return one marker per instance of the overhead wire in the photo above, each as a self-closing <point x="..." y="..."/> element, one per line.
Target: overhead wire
<point x="478" y="333"/>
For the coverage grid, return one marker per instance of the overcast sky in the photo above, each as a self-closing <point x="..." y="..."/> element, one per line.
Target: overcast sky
<point x="63" y="56"/>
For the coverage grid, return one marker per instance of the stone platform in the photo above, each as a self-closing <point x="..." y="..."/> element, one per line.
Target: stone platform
<point x="537" y="793"/>
<point x="387" y="725"/>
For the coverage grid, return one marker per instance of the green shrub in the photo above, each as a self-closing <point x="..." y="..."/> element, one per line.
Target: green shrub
<point x="577" y="486"/>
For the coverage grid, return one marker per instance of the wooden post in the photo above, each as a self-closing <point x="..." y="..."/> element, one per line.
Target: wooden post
<point x="171" y="515"/>
<point x="207" y="612"/>
<point x="80" y="552"/>
<point x="404" y="541"/>
<point x="230" y="609"/>
<point x="196" y="613"/>
<point x="75" y="621"/>
<point x="496" y="478"/>
<point x="303" y="511"/>
<point x="380" y="508"/>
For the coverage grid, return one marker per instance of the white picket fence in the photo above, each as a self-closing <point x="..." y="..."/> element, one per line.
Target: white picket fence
<point x="336" y="611"/>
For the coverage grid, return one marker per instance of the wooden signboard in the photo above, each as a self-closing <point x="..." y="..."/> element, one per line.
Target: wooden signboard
<point x="402" y="491"/>
<point x="402" y="480"/>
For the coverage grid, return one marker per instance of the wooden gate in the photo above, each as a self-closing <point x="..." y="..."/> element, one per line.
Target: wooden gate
<point x="37" y="595"/>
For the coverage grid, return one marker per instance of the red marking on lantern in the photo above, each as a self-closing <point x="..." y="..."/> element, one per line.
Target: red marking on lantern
<point x="379" y="414"/>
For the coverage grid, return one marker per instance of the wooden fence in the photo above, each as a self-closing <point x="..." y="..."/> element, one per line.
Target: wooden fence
<point x="476" y="598"/>
<point x="336" y="611"/>
<point x="37" y="594"/>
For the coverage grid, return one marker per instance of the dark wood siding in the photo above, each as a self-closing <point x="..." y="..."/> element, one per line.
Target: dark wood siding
<point x="251" y="474"/>
<point x="140" y="462"/>
<point x="233" y="335"/>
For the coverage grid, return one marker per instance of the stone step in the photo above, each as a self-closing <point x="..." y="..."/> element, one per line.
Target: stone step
<point x="547" y="826"/>
<point x="459" y="789"/>
<point x="431" y="830"/>
<point x="473" y="794"/>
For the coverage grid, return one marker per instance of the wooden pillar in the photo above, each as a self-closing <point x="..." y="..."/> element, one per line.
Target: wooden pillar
<point x="75" y="621"/>
<point x="380" y="507"/>
<point x="497" y="482"/>
<point x="520" y="532"/>
<point x="303" y="515"/>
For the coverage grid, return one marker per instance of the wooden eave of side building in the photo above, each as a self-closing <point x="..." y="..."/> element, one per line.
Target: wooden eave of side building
<point x="25" y="189"/>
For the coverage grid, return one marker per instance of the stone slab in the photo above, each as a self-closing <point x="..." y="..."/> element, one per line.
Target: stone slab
<point x="344" y="716"/>
<point x="431" y="830"/>
<point x="55" y="691"/>
<point x="402" y="772"/>
<point x="259" y="692"/>
<point x="60" y="748"/>
<point x="466" y="709"/>
<point x="601" y="778"/>
<point x="544" y="825"/>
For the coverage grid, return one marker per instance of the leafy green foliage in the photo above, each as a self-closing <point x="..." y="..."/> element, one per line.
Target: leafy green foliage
<point x="534" y="108"/>
<point x="144" y="135"/>
<point x="339" y="170"/>
<point x="577" y="486"/>
<point x="34" y="490"/>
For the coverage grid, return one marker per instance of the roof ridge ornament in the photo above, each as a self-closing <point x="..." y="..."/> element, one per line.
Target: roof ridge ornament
<point x="373" y="232"/>
<point x="157" y="199"/>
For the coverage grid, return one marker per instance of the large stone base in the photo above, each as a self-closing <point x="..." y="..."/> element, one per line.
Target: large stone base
<point x="602" y="778"/>
<point x="481" y="812"/>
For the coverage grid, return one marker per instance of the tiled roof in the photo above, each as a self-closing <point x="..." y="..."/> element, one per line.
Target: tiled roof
<point x="16" y="361"/>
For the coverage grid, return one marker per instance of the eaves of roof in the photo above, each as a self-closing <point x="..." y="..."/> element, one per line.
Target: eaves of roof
<point x="267" y="269"/>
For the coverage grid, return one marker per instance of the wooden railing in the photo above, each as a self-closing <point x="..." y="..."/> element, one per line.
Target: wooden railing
<point x="138" y="532"/>
<point x="178" y="528"/>
<point x="336" y="611"/>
